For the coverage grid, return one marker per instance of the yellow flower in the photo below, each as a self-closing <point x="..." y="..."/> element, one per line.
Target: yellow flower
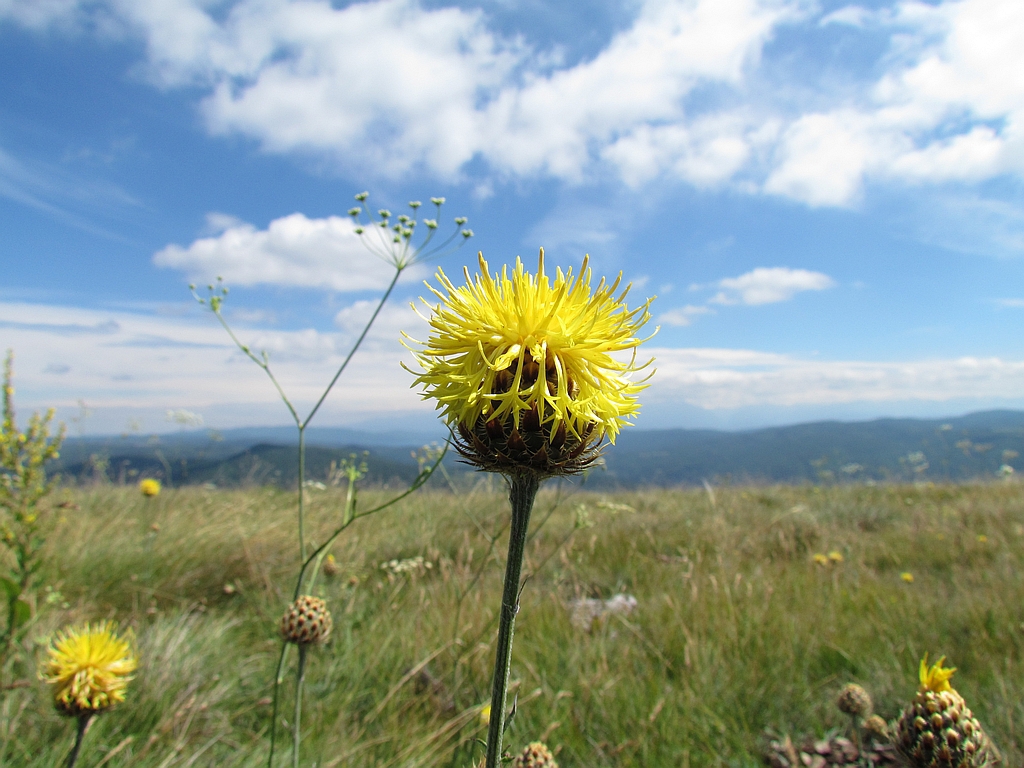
<point x="935" y="678"/>
<point x="835" y="556"/>
<point x="820" y="559"/>
<point x="485" y="714"/>
<point x="982" y="538"/>
<point x="908" y="577"/>
<point x="525" y="367"/>
<point x="90" y="667"/>
<point x="149" y="487"/>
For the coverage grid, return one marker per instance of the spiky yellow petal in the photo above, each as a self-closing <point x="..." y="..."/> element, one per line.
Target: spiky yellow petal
<point x="504" y="346"/>
<point x="935" y="678"/>
<point x="89" y="667"/>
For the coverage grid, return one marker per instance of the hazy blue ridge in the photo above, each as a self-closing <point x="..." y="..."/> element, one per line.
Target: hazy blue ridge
<point x="956" y="449"/>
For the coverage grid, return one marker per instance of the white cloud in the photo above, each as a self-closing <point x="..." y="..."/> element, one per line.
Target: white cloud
<point x="127" y="363"/>
<point x="682" y="316"/>
<point x="293" y="250"/>
<point x="946" y="109"/>
<point x="731" y="378"/>
<point x="39" y="14"/>
<point x="393" y="320"/>
<point x="768" y="285"/>
<point x="391" y="85"/>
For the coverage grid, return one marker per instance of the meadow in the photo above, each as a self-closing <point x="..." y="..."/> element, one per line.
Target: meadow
<point x="737" y="628"/>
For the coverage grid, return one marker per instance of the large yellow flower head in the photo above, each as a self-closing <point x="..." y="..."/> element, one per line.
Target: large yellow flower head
<point x="90" y="667"/>
<point x="516" y="355"/>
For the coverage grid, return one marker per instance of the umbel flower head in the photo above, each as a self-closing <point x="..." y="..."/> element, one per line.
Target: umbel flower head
<point x="523" y="366"/>
<point x="937" y="730"/>
<point x="89" y="667"/>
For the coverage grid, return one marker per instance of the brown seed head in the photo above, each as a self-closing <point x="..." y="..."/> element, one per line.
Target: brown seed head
<point x="307" y="621"/>
<point x="854" y="701"/>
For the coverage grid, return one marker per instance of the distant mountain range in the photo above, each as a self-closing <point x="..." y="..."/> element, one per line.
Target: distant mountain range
<point x="963" y="448"/>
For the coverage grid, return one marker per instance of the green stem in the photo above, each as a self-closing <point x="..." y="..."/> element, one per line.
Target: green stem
<point x="359" y="341"/>
<point x="300" y="677"/>
<point x="278" y="679"/>
<point x="522" y="492"/>
<point x="302" y="493"/>
<point x="83" y="723"/>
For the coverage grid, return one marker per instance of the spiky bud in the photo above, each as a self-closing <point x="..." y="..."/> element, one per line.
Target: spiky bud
<point x="854" y="701"/>
<point x="306" y="622"/>
<point x="938" y="730"/>
<point x="536" y="755"/>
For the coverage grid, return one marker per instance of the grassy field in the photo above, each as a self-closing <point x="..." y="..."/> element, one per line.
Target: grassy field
<point x="736" y="628"/>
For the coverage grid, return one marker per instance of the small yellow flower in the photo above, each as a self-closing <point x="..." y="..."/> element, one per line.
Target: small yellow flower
<point x="485" y="714"/>
<point x="90" y="667"/>
<point x="835" y="556"/>
<point x="821" y="559"/>
<point x="935" y="678"/>
<point x="528" y="369"/>
<point x="982" y="538"/>
<point x="908" y="577"/>
<point x="149" y="487"/>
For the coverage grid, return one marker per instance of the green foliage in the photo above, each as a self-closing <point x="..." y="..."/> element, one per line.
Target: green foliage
<point x="735" y="631"/>
<point x="23" y="483"/>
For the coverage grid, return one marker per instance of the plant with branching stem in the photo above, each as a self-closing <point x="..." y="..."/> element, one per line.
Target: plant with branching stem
<point x="394" y="240"/>
<point x="23" y="484"/>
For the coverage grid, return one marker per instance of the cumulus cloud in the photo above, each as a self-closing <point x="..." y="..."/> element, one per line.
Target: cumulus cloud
<point x="768" y="285"/>
<point x="293" y="250"/>
<point x="679" y="94"/>
<point x="945" y="109"/>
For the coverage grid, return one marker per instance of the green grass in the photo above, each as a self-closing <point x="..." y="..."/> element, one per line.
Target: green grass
<point x="736" y="630"/>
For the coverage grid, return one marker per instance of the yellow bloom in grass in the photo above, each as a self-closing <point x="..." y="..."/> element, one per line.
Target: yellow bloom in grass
<point x="149" y="487"/>
<point x="908" y="577"/>
<point x="90" y="667"/>
<point x="821" y="559"/>
<point x="835" y="556"/>
<point x="528" y="369"/>
<point x="935" y="678"/>
<point x="982" y="538"/>
<point x="485" y="714"/>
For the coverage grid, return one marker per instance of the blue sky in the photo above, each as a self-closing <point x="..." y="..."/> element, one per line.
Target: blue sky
<point x="826" y="198"/>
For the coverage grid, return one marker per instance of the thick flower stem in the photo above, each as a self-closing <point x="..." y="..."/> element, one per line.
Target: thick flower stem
<point x="83" y="723"/>
<point x="300" y="677"/>
<point x="522" y="492"/>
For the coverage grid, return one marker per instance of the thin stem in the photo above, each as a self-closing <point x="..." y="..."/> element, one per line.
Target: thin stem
<point x="83" y="723"/>
<point x="278" y="679"/>
<point x="350" y="510"/>
<point x="302" y="493"/>
<point x="300" y="677"/>
<point x="522" y="492"/>
<point x="420" y="480"/>
<point x="261" y="363"/>
<point x="366" y="329"/>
